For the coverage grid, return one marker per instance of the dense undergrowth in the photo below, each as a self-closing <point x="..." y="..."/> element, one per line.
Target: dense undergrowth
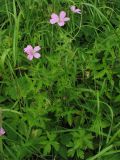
<point x="66" y="104"/>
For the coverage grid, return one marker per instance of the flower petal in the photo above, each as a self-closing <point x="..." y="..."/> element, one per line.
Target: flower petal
<point x="54" y="18"/>
<point x="2" y="131"/>
<point x="62" y="15"/>
<point x="37" y="48"/>
<point x="53" y="21"/>
<point x="30" y="57"/>
<point x="37" y="55"/>
<point x="66" y="19"/>
<point x="61" y="23"/>
<point x="72" y="8"/>
<point x="28" y="49"/>
<point x="78" y="11"/>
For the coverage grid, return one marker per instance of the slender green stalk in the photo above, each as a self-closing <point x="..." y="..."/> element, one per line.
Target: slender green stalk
<point x="101" y="153"/>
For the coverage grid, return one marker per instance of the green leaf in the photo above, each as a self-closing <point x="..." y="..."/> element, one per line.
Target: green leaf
<point x="112" y="157"/>
<point x="80" y="154"/>
<point x="47" y="149"/>
<point x="55" y="145"/>
<point x="63" y="152"/>
<point x="71" y="152"/>
<point x="2" y="99"/>
<point x="100" y="74"/>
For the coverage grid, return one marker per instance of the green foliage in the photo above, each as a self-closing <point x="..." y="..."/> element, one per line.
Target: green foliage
<point x="79" y="142"/>
<point x="66" y="104"/>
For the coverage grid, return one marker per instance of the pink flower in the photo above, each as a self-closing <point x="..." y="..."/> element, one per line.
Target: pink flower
<point x="2" y="131"/>
<point x="75" y="10"/>
<point x="59" y="19"/>
<point x="32" y="52"/>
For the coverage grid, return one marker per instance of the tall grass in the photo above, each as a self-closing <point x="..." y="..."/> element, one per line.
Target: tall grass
<point x="64" y="105"/>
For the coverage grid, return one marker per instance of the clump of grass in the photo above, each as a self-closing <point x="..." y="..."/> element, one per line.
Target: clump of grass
<point x="64" y="105"/>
